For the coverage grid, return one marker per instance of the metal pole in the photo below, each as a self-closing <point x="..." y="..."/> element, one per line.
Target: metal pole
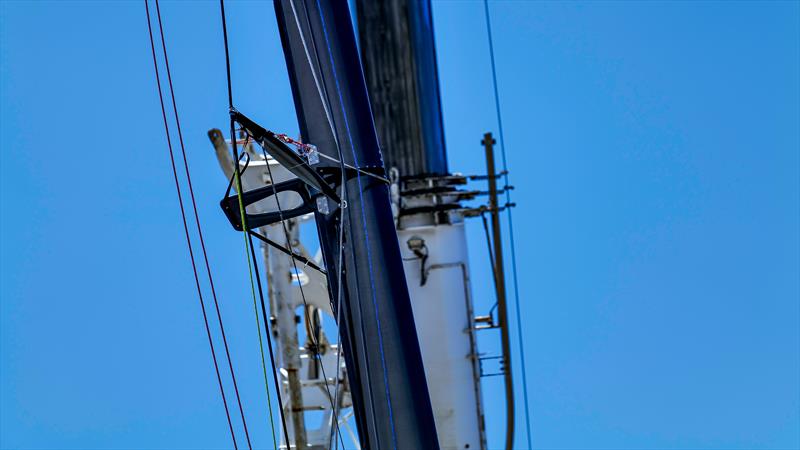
<point x="500" y="284"/>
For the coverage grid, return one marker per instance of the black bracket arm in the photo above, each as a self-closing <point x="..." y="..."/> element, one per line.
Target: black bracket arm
<point x="287" y="157"/>
<point x="230" y="204"/>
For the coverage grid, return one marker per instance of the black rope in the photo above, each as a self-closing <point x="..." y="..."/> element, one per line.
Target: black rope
<point x="269" y="338"/>
<point x="186" y="227"/>
<point x="228" y="69"/>
<point x="249" y="240"/>
<point x="340" y="271"/>
<point x="306" y="262"/>
<point x="345" y="196"/>
<point x="263" y="307"/>
<point x="199" y="228"/>
<point x="312" y="336"/>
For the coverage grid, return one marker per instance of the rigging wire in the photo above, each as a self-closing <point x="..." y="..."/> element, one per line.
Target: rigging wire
<point x="197" y="221"/>
<point x="366" y="233"/>
<point x="255" y="306"/>
<point x="345" y="195"/>
<point x="306" y="262"/>
<point x="186" y="227"/>
<point x="510" y="220"/>
<point x="311" y="336"/>
<point x="326" y="101"/>
<point x="335" y="415"/>
<point x="247" y="241"/>
<point x="306" y="148"/>
<point x="263" y="306"/>
<point x="269" y="339"/>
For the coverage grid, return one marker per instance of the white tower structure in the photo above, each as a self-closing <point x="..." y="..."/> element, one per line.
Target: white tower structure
<point x="308" y="384"/>
<point x="430" y="227"/>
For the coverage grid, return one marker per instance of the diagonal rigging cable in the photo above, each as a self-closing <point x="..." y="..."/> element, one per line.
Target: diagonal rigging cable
<point x="263" y="306"/>
<point x="291" y="253"/>
<point x="199" y="228"/>
<point x="335" y="414"/>
<point x="288" y="250"/>
<point x="249" y="243"/>
<point x="366" y="233"/>
<point x="186" y="227"/>
<point x="510" y="220"/>
<point x="266" y="331"/>
<point x="313" y="335"/>
<point x="294" y="257"/>
<point x="325" y="100"/>
<point x="248" y="247"/>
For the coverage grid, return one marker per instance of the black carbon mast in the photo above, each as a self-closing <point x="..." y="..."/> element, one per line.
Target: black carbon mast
<point x="399" y="56"/>
<point x="398" y="51"/>
<point x="383" y="359"/>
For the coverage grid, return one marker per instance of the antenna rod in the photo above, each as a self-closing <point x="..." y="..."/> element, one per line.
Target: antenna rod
<point x="500" y="285"/>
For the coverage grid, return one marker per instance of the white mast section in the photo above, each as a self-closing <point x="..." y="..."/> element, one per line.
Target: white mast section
<point x="433" y="243"/>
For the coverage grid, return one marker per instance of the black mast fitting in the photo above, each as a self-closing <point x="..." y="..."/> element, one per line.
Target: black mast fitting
<point x="230" y="204"/>
<point x="310" y="184"/>
<point x="285" y="155"/>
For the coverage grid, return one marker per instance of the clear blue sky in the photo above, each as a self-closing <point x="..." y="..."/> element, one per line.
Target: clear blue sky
<point x="654" y="147"/>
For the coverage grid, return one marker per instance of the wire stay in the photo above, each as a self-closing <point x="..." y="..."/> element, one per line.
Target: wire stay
<point x="238" y="176"/>
<point x="186" y="227"/>
<point x="510" y="219"/>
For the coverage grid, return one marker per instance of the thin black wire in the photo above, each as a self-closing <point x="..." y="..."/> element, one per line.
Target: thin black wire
<point x="313" y="336"/>
<point x="387" y="391"/>
<point x="228" y="69"/>
<point x="345" y="195"/>
<point x="199" y="228"/>
<point x="269" y="339"/>
<point x="249" y="237"/>
<point x="186" y="227"/>
<point x="306" y="262"/>
<point x="340" y="270"/>
<point x="266" y="320"/>
<point x="510" y="220"/>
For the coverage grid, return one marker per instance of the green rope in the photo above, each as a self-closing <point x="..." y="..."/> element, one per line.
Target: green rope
<point x="255" y="304"/>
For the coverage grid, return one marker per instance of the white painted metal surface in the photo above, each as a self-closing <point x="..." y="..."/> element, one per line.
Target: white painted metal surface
<point x="443" y="316"/>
